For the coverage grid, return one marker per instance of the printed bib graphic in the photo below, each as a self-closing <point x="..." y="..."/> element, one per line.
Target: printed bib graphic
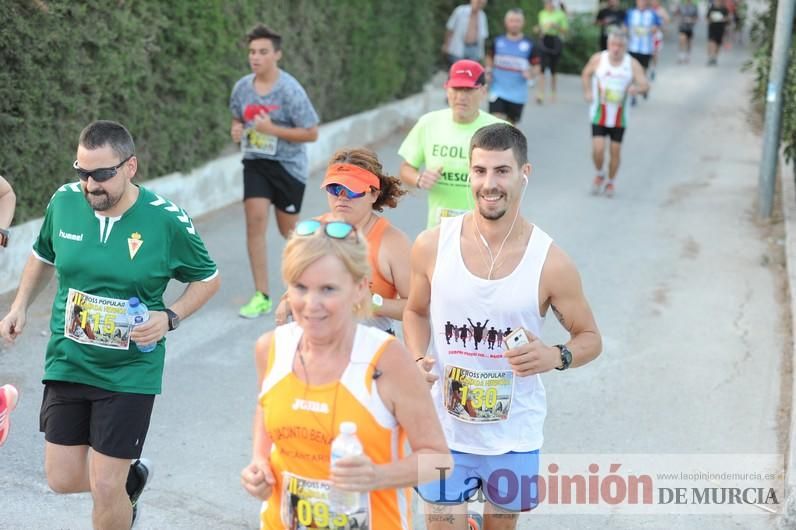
<point x="305" y="504"/>
<point x="96" y="320"/>
<point x="478" y="396"/>
<point x="611" y="95"/>
<point x="450" y="212"/>
<point x="254" y="141"/>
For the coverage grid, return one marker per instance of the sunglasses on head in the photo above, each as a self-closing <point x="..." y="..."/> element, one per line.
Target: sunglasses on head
<point x="333" y="229"/>
<point x="100" y="174"/>
<point x="339" y="189"/>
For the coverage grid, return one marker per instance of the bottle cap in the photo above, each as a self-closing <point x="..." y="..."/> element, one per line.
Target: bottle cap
<point x="348" y="427"/>
<point x="133" y="301"/>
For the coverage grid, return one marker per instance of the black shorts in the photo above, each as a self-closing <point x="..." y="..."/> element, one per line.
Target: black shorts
<point x="716" y="33"/>
<point x="615" y="133"/>
<point x="513" y="111"/>
<point x="603" y="42"/>
<point x="551" y="53"/>
<point x="114" y="424"/>
<point x="642" y="58"/>
<point x="268" y="179"/>
<point x="688" y="32"/>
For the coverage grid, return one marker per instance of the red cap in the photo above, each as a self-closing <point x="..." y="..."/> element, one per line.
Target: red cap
<point x="465" y="74"/>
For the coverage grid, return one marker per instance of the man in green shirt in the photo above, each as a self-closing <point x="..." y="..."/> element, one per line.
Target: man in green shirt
<point x="440" y="141"/>
<point x="108" y="240"/>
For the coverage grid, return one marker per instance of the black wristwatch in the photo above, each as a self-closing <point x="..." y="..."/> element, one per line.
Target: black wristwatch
<point x="566" y="357"/>
<point x="174" y="319"/>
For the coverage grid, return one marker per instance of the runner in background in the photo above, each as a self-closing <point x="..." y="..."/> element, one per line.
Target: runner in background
<point x="509" y="67"/>
<point x="641" y="22"/>
<point x="438" y="144"/>
<point x="492" y="265"/>
<point x="610" y="17"/>
<point x="688" y="12"/>
<point x="657" y="39"/>
<point x="357" y="187"/>
<point x="552" y="29"/>
<point x="466" y="32"/>
<point x="718" y="16"/>
<point x="273" y="119"/>
<point x="609" y="79"/>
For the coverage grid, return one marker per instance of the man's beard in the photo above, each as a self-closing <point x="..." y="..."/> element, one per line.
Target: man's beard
<point x="492" y="216"/>
<point x="101" y="201"/>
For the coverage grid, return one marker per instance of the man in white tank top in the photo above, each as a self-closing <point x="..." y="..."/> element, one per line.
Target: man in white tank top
<point x="610" y="78"/>
<point x="484" y="272"/>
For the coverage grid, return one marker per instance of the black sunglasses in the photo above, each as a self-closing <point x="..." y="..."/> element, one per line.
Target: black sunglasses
<point x="100" y="174"/>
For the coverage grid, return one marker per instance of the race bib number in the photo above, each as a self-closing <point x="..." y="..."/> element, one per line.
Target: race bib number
<point x="96" y="320"/>
<point x="305" y="504"/>
<point x="478" y="396"/>
<point x="642" y="31"/>
<point x="450" y="212"/>
<point x="716" y="16"/>
<point x="256" y="142"/>
<point x="612" y="96"/>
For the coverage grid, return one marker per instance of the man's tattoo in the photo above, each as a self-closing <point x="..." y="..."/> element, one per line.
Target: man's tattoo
<point x="560" y="318"/>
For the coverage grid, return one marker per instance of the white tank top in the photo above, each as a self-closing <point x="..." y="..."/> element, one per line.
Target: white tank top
<point x="609" y="88"/>
<point x="483" y="407"/>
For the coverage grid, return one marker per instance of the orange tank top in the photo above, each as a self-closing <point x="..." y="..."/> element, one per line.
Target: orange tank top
<point x="302" y="421"/>
<point x="378" y="283"/>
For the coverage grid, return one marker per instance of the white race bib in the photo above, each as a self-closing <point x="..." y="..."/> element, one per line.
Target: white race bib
<point x="305" y="505"/>
<point x="254" y="141"/>
<point x="96" y="320"/>
<point x="478" y="396"/>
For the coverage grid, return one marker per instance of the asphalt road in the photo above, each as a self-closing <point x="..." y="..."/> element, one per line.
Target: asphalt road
<point x="679" y="275"/>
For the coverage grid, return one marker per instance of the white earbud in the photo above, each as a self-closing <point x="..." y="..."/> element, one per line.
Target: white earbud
<point x="525" y="177"/>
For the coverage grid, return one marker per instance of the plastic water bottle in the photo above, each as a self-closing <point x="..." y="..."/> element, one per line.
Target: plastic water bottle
<point x="346" y="444"/>
<point x="137" y="314"/>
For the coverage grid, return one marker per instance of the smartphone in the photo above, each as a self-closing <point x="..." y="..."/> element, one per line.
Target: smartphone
<point x="516" y="338"/>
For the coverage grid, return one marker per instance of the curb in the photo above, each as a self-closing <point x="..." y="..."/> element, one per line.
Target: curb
<point x="219" y="183"/>
<point x="787" y="173"/>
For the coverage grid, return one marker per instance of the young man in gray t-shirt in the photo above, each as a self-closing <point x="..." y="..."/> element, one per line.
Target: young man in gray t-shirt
<point x="272" y="118"/>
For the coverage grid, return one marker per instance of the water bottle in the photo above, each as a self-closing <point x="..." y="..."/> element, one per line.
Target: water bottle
<point x="137" y="314"/>
<point x="346" y="444"/>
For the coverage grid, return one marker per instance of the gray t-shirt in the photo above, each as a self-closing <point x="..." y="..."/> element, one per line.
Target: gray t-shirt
<point x="287" y="106"/>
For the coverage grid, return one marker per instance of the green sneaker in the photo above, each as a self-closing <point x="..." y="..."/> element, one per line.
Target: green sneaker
<point x="257" y="306"/>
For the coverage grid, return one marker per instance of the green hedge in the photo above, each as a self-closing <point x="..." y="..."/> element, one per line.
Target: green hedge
<point x="762" y="32"/>
<point x="165" y="70"/>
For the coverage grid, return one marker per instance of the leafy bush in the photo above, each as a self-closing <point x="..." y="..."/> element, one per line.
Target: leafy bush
<point x="762" y="33"/>
<point x="165" y="70"/>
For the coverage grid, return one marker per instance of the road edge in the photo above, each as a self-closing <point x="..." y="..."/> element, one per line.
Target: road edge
<point x="788" y="196"/>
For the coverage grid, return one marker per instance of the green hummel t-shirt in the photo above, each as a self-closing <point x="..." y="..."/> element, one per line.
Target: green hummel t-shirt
<point x="437" y="141"/>
<point x="100" y="263"/>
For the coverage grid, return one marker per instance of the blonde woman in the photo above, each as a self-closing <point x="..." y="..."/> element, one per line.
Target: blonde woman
<point x="324" y="369"/>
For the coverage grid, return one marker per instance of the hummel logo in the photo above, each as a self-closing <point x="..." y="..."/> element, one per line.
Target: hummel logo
<point x="67" y="235"/>
<point x="312" y="406"/>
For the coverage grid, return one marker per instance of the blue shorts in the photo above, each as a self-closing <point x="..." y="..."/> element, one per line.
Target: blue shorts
<point x="508" y="481"/>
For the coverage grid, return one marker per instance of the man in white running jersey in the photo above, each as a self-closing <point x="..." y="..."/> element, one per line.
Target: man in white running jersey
<point x="492" y="265"/>
<point x="610" y="78"/>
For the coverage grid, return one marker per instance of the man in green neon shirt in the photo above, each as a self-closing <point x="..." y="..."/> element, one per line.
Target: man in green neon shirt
<point x="440" y="142"/>
<point x="108" y="240"/>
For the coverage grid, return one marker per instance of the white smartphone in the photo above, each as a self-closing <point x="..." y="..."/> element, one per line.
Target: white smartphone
<point x="516" y="338"/>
